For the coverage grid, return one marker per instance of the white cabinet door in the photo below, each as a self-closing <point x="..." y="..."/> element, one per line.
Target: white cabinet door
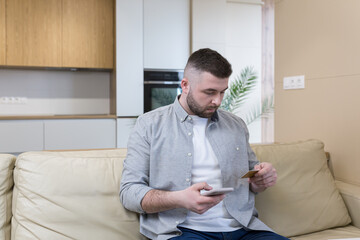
<point x="166" y="33"/>
<point x="124" y="128"/>
<point x="80" y="134"/>
<point x="208" y="25"/>
<point x="129" y="58"/>
<point x="21" y="135"/>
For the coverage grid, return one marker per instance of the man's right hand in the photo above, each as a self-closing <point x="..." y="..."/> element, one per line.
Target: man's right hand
<point x="192" y="200"/>
<point x="189" y="198"/>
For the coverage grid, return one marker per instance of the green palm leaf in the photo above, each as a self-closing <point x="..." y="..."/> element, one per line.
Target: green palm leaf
<point x="267" y="106"/>
<point x="238" y="90"/>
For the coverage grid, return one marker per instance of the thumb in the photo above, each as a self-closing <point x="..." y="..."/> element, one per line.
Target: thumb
<point x="202" y="186"/>
<point x="258" y="166"/>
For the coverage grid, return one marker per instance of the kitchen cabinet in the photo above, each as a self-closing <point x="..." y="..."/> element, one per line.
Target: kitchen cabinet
<point x="33" y="33"/>
<point x="21" y="135"/>
<point x="124" y="128"/>
<point x="151" y="34"/>
<point x="54" y="134"/>
<point x="58" y="33"/>
<point x="166" y="34"/>
<point x="207" y="30"/>
<point x="129" y="58"/>
<point x="79" y="134"/>
<point x="2" y="33"/>
<point x="88" y="33"/>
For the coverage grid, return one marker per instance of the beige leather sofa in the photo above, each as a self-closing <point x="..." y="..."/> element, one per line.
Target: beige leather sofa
<point x="74" y="195"/>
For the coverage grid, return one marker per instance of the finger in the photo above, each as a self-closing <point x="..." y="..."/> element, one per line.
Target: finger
<point x="207" y="187"/>
<point x="266" y="172"/>
<point x="262" y="167"/>
<point x="213" y="200"/>
<point x="257" y="167"/>
<point x="264" y="182"/>
<point x="203" y="209"/>
<point x="265" y="176"/>
<point x="263" y="179"/>
<point x="201" y="186"/>
<point x="268" y="184"/>
<point x="207" y="202"/>
<point x="217" y="198"/>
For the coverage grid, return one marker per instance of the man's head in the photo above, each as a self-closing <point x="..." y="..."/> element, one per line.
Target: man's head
<point x="207" y="60"/>
<point x="206" y="77"/>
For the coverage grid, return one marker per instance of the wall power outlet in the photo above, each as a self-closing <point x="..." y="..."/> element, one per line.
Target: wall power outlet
<point x="13" y="100"/>
<point x="294" y="82"/>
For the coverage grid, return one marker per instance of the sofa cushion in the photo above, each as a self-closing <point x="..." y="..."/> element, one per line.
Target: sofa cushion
<point x="305" y="198"/>
<point x="7" y="163"/>
<point x="349" y="232"/>
<point x="71" y="195"/>
<point x="351" y="195"/>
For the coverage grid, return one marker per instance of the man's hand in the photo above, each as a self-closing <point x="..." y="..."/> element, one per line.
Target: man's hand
<point x="266" y="177"/>
<point x="189" y="198"/>
<point x="192" y="200"/>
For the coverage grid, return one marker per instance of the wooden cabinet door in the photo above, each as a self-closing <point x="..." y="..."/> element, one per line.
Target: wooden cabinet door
<point x="2" y="33"/>
<point x="33" y="33"/>
<point x="88" y="34"/>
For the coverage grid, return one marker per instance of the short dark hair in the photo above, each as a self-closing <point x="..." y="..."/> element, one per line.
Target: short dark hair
<point x="208" y="60"/>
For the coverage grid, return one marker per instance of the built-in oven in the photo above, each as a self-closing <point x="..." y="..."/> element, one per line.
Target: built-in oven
<point x="161" y="87"/>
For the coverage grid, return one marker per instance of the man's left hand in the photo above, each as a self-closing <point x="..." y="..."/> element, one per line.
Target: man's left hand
<point x="266" y="177"/>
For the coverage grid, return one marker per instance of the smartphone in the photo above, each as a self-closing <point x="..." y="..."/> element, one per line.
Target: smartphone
<point x="218" y="191"/>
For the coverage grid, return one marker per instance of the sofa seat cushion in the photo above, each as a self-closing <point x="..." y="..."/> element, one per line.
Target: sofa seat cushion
<point x="7" y="163"/>
<point x="351" y="196"/>
<point x="71" y="195"/>
<point x="334" y="233"/>
<point x="305" y="198"/>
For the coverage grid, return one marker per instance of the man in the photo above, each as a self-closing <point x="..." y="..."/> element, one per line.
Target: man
<point x="178" y="151"/>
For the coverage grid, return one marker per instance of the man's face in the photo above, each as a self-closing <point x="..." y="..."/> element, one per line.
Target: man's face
<point x="205" y="94"/>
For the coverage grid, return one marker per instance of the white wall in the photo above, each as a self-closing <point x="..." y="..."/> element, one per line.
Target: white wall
<point x="55" y="92"/>
<point x="233" y="28"/>
<point x="243" y="48"/>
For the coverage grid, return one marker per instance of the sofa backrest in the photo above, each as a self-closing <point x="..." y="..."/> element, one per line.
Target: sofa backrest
<point x="7" y="163"/>
<point x="305" y="198"/>
<point x="74" y="195"/>
<point x="71" y="195"/>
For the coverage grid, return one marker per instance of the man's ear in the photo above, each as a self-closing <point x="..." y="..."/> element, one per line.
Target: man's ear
<point x="185" y="85"/>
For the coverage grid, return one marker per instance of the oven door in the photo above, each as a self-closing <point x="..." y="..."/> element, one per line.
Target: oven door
<point x="160" y="93"/>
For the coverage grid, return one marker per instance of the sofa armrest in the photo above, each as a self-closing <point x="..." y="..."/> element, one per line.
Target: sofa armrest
<point x="351" y="195"/>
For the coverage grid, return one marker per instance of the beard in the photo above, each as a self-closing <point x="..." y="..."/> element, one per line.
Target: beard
<point x="197" y="109"/>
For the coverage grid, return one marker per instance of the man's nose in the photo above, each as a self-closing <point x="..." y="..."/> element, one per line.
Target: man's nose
<point x="217" y="99"/>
